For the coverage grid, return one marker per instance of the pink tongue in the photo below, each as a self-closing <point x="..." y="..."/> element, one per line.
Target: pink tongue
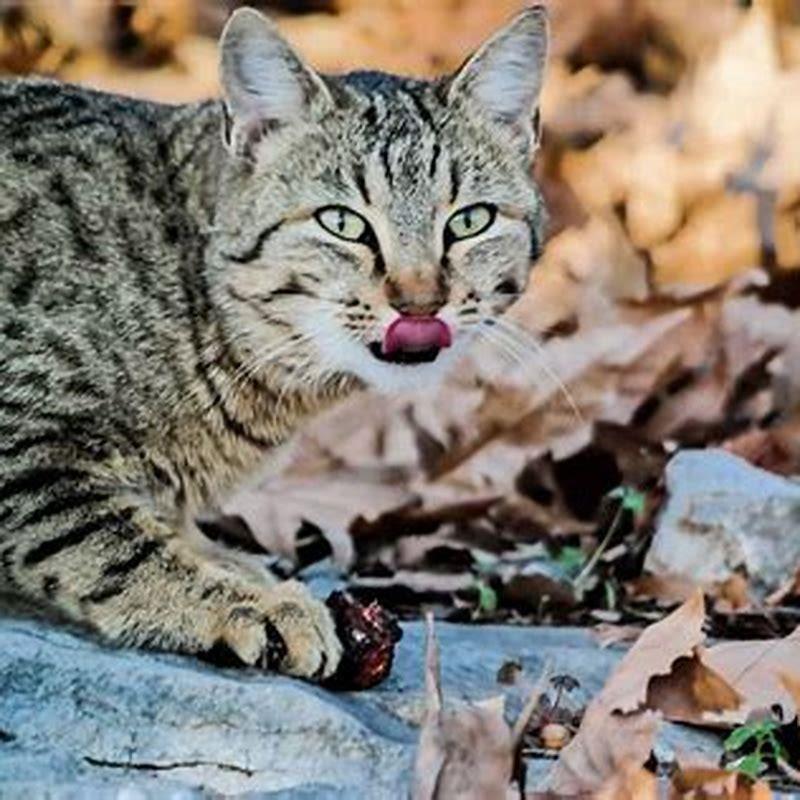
<point x="416" y="333"/>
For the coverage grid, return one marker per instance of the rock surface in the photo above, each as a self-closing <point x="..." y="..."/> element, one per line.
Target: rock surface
<point x="721" y="514"/>
<point x="79" y="720"/>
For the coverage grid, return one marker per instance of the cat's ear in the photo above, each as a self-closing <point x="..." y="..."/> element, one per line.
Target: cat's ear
<point x="266" y="85"/>
<point x="504" y="77"/>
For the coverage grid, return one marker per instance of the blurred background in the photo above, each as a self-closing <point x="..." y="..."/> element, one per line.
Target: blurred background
<point x="665" y="302"/>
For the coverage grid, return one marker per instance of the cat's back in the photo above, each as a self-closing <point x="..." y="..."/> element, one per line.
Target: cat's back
<point x="90" y="217"/>
<point x="49" y="128"/>
<point x="73" y="162"/>
<point x="45" y="124"/>
<point x="93" y="233"/>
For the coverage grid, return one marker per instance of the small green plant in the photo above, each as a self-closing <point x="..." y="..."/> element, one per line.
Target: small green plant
<point x="571" y="559"/>
<point x="487" y="598"/>
<point x="761" y="737"/>
<point x="631" y="500"/>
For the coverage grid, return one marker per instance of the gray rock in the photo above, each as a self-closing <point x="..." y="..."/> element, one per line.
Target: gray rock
<point x="78" y="720"/>
<point x="99" y="717"/>
<point x="721" y="514"/>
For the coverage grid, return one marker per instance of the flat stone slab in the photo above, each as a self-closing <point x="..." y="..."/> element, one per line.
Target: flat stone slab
<point x="81" y="720"/>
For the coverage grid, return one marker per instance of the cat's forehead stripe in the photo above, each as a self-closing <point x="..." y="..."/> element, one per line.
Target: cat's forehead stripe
<point x="402" y="121"/>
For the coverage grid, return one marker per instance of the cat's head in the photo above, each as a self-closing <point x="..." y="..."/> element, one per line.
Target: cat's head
<point x="369" y="224"/>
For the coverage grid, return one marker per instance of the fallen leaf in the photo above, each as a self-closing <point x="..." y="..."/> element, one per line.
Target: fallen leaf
<point x="537" y="593"/>
<point x="754" y="670"/>
<point x="631" y="782"/>
<point x="732" y="594"/>
<point x="790" y="589"/>
<point x="704" y="782"/>
<point x="668" y="589"/>
<point x="617" y="727"/>
<point x="604" y="743"/>
<point x="469" y="753"/>
<point x="792" y="684"/>
<point x="275" y="510"/>
<point x="607" y="634"/>
<point x="654" y="653"/>
<point x="691" y="691"/>
<point x="766" y="449"/>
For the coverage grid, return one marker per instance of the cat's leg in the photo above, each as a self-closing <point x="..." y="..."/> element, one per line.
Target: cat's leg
<point x="110" y="563"/>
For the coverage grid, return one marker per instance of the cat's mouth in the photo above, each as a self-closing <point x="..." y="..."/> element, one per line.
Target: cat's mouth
<point x="425" y="356"/>
<point x="412" y="340"/>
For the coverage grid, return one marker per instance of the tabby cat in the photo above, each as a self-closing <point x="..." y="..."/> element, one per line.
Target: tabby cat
<point x="182" y="286"/>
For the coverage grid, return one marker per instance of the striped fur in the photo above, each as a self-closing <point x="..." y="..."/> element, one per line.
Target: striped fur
<point x="171" y="310"/>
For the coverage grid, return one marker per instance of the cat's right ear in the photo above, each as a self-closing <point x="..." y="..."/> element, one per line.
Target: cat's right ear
<point x="504" y="77"/>
<point x="266" y="85"/>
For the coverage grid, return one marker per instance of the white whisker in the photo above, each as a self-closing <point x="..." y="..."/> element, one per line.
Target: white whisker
<point x="520" y="342"/>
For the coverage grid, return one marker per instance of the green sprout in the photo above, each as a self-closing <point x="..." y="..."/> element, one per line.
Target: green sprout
<point x="571" y="559"/>
<point x="487" y="598"/>
<point x="631" y="500"/>
<point x="762" y="737"/>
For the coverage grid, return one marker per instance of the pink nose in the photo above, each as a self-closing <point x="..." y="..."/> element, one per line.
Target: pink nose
<point x="416" y="333"/>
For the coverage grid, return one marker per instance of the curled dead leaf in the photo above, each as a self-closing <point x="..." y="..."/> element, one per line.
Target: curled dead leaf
<point x="631" y="782"/>
<point x="469" y="753"/>
<point x="754" y="670"/>
<point x="708" y="782"/>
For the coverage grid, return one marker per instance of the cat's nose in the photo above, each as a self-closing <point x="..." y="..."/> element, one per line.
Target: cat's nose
<point x="416" y="308"/>
<point x="416" y="297"/>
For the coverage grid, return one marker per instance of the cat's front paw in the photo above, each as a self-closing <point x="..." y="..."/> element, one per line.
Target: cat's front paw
<point x="308" y="646"/>
<point x="287" y="630"/>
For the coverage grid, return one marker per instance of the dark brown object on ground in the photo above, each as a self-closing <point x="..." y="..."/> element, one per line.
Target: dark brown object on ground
<point x="368" y="635"/>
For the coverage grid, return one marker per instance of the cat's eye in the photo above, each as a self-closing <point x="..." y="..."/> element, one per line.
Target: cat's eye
<point x="470" y="221"/>
<point x="342" y="222"/>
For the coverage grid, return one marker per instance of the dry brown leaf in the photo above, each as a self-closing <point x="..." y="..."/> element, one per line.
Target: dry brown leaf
<point x="790" y="589"/>
<point x="607" y="634"/>
<point x="469" y="753"/>
<point x="720" y="239"/>
<point x="604" y="743"/>
<point x="405" y="38"/>
<point x="617" y="728"/>
<point x="537" y="593"/>
<point x="631" y="782"/>
<point x="725" y="684"/>
<point x="276" y="509"/>
<point x="709" y="782"/>
<point x="660" y="672"/>
<point x="792" y="683"/>
<point x="775" y="450"/>
<point x="654" y="653"/>
<point x="754" y="670"/>
<point x="732" y="594"/>
<point x="667" y="589"/>
<point x="690" y="691"/>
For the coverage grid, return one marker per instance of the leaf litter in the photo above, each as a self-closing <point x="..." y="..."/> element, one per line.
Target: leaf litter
<point x="663" y="316"/>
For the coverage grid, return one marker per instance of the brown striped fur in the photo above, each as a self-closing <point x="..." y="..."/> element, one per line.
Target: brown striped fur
<point x="171" y="311"/>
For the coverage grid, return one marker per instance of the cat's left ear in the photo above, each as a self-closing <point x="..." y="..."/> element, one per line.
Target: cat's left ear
<point x="504" y="77"/>
<point x="266" y="85"/>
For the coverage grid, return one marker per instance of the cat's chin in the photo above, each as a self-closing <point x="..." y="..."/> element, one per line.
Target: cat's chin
<point x="410" y="373"/>
<point x="385" y="375"/>
<point x="389" y="378"/>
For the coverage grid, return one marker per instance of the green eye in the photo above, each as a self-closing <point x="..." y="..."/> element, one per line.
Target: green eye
<point x="342" y="222"/>
<point x="471" y="221"/>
